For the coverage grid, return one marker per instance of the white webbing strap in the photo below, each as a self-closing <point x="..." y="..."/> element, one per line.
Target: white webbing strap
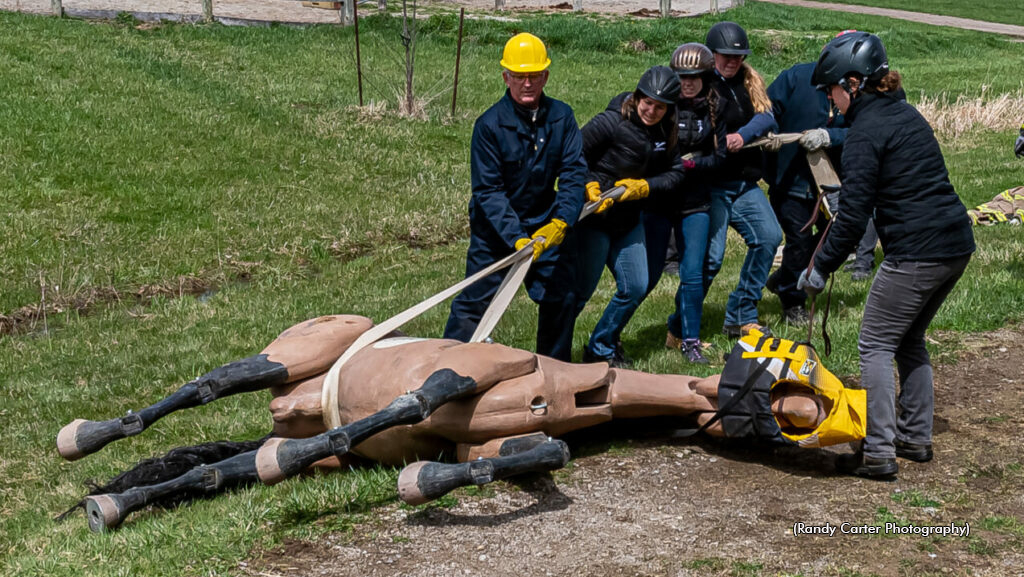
<point x="519" y="262"/>
<point x="614" y="194"/>
<point x="329" y="391"/>
<point x="772" y="138"/>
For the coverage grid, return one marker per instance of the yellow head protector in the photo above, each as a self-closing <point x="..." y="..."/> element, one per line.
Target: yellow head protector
<point x="760" y="366"/>
<point x="525" y="53"/>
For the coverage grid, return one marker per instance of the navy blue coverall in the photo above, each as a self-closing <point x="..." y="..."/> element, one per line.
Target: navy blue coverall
<point x="798" y="106"/>
<point x="516" y="157"/>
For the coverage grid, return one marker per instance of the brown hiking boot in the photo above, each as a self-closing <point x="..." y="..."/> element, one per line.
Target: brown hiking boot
<point x="737" y="331"/>
<point x="673" y="342"/>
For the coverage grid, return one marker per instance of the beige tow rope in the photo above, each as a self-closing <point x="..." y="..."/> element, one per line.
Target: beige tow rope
<point x="519" y="262"/>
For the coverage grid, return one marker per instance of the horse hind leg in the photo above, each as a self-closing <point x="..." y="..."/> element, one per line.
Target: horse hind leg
<point x="180" y="475"/>
<point x="425" y="481"/>
<point x="81" y="437"/>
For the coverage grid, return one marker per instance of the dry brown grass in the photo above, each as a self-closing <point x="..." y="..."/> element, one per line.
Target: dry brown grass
<point x="991" y="112"/>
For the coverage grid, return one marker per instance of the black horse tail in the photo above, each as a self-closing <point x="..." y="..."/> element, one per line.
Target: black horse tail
<point x="174" y="464"/>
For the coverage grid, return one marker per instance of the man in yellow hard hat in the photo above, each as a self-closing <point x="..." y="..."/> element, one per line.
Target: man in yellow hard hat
<point x="521" y="147"/>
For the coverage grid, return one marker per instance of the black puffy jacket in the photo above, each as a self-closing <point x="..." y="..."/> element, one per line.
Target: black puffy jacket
<point x="616" y="147"/>
<point x="893" y="169"/>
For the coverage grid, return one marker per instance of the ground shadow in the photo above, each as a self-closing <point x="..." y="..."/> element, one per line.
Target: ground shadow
<point x="540" y="486"/>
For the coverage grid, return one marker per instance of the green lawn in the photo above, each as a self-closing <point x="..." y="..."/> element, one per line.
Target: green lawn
<point x="1003" y="11"/>
<point x="140" y="167"/>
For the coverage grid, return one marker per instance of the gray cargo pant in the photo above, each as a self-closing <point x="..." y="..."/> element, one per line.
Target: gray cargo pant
<point x="903" y="300"/>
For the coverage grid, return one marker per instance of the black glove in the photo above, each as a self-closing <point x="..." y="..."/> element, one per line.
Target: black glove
<point x="1018" y="148"/>
<point x="811" y="284"/>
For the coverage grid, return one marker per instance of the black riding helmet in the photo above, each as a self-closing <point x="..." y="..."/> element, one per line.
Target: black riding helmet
<point x="854" y="54"/>
<point x="693" y="59"/>
<point x="660" y="83"/>
<point x="728" y="38"/>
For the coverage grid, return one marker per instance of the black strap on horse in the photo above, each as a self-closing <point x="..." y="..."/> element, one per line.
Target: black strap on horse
<point x="748" y="386"/>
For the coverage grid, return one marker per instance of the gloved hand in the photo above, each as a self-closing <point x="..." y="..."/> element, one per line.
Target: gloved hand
<point x="636" y="189"/>
<point x="594" y="195"/>
<point x="537" y="248"/>
<point x="814" y="139"/>
<point x="773" y="144"/>
<point x="1018" y="148"/>
<point x="689" y="164"/>
<point x="831" y="200"/>
<point x="812" y="284"/>
<point x="553" y="233"/>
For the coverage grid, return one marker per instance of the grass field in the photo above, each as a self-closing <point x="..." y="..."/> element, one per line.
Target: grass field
<point x="175" y="196"/>
<point x="987" y="10"/>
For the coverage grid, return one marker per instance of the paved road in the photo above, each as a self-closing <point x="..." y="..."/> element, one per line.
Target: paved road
<point x="935" y="19"/>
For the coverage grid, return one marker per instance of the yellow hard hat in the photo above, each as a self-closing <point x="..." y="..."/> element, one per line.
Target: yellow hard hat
<point x="524" y="52"/>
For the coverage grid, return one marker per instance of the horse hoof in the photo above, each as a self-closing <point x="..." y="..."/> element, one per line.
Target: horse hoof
<point x="102" y="513"/>
<point x="66" y="445"/>
<point x="267" y="467"/>
<point x="408" y="484"/>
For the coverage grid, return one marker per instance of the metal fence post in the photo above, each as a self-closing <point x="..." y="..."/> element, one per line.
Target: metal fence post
<point x="666" y="8"/>
<point x="57" y="8"/>
<point x="208" y="10"/>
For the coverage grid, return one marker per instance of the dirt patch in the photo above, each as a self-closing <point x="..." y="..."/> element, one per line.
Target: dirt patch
<point x="663" y="507"/>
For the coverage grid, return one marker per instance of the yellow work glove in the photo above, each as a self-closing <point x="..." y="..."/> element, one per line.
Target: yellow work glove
<point x="635" y="189"/>
<point x="553" y="233"/>
<point x="537" y="248"/>
<point x="594" y="195"/>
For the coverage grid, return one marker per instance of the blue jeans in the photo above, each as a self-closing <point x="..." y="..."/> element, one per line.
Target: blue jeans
<point x="692" y="240"/>
<point x="744" y="207"/>
<point x="625" y="255"/>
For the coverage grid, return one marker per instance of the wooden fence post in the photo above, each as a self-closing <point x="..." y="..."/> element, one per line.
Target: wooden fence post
<point x="577" y="6"/>
<point x="57" y="8"/>
<point x="382" y="5"/>
<point x="666" y="8"/>
<point x="208" y="10"/>
<point x="349" y="7"/>
<point x="499" y="4"/>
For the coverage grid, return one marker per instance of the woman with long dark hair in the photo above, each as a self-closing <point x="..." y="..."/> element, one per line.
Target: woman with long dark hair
<point x="631" y="144"/>
<point x="893" y="169"/>
<point x="684" y="211"/>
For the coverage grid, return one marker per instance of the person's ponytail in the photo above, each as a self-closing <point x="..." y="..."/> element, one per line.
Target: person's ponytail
<point x="891" y="82"/>
<point x="754" y="84"/>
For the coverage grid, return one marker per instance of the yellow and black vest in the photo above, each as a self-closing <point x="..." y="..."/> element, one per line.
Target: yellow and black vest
<point x="759" y="363"/>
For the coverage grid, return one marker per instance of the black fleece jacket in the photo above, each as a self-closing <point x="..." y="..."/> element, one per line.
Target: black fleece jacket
<point x="616" y="147"/>
<point x="894" y="170"/>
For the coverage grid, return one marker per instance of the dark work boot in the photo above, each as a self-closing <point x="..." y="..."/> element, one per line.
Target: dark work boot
<point x="913" y="451"/>
<point x="869" y="467"/>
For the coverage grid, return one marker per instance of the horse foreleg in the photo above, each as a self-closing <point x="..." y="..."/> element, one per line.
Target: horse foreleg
<point x="425" y="481"/>
<point x="279" y="459"/>
<point x="108" y="511"/>
<point x="81" y="437"/>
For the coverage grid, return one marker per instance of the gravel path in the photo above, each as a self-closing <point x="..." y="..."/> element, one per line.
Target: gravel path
<point x="934" y="19"/>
